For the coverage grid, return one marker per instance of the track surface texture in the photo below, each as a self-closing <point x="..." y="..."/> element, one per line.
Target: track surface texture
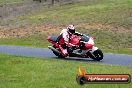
<point x="109" y="58"/>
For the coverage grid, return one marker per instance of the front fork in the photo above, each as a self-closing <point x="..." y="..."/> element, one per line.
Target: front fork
<point x="93" y="49"/>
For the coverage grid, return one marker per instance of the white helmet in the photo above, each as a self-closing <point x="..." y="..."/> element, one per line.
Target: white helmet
<point x="71" y="29"/>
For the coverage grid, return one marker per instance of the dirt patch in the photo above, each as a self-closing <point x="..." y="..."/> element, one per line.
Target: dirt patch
<point x="10" y="11"/>
<point x="107" y="27"/>
<point x="27" y="31"/>
<point x="53" y="29"/>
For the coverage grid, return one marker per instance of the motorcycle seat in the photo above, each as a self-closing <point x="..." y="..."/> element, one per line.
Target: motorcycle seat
<point x="54" y="38"/>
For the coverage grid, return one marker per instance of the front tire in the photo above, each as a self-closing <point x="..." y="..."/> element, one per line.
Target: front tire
<point x="96" y="55"/>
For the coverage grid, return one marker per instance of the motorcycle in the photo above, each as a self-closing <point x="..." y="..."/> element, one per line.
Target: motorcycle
<point x="82" y="51"/>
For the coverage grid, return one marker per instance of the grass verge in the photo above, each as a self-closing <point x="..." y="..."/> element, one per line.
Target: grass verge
<point x="117" y="13"/>
<point x="112" y="42"/>
<point x="36" y="40"/>
<point x="2" y="2"/>
<point x="27" y="72"/>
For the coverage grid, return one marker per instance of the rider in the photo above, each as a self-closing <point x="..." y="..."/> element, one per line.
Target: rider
<point x="65" y="37"/>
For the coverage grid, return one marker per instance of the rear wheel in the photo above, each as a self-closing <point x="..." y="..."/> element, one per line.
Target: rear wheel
<point x="96" y="55"/>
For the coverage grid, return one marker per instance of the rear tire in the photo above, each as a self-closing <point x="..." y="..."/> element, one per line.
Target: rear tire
<point x="97" y="55"/>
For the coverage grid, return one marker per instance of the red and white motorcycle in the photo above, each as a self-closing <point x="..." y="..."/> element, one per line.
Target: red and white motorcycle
<point x="81" y="51"/>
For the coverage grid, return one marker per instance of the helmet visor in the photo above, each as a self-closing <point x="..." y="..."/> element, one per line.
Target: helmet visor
<point x="72" y="31"/>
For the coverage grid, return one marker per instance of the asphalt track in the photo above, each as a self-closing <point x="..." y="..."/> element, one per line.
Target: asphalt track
<point x="109" y="58"/>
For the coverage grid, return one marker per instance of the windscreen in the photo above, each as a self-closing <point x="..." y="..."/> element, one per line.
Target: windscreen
<point x="85" y="38"/>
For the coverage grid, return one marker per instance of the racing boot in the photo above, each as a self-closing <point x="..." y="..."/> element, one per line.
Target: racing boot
<point x="63" y="51"/>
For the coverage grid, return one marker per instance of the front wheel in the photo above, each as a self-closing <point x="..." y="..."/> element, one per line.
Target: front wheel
<point x="96" y="55"/>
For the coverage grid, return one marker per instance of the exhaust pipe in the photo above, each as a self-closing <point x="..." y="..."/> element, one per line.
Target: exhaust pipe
<point x="53" y="49"/>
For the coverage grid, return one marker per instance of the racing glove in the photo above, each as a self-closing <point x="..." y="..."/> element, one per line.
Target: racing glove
<point x="78" y="34"/>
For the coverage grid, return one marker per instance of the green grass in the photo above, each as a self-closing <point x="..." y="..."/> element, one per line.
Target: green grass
<point x="10" y="1"/>
<point x="109" y="39"/>
<point x="117" y="13"/>
<point x="119" y="51"/>
<point x="113" y="42"/>
<point x="36" y="40"/>
<point x="27" y="72"/>
<point x="114" y="12"/>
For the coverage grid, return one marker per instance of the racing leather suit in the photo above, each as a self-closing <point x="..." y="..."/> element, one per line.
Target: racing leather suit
<point x="64" y="41"/>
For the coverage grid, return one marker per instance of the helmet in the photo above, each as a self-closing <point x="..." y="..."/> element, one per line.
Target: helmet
<point x="71" y="29"/>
